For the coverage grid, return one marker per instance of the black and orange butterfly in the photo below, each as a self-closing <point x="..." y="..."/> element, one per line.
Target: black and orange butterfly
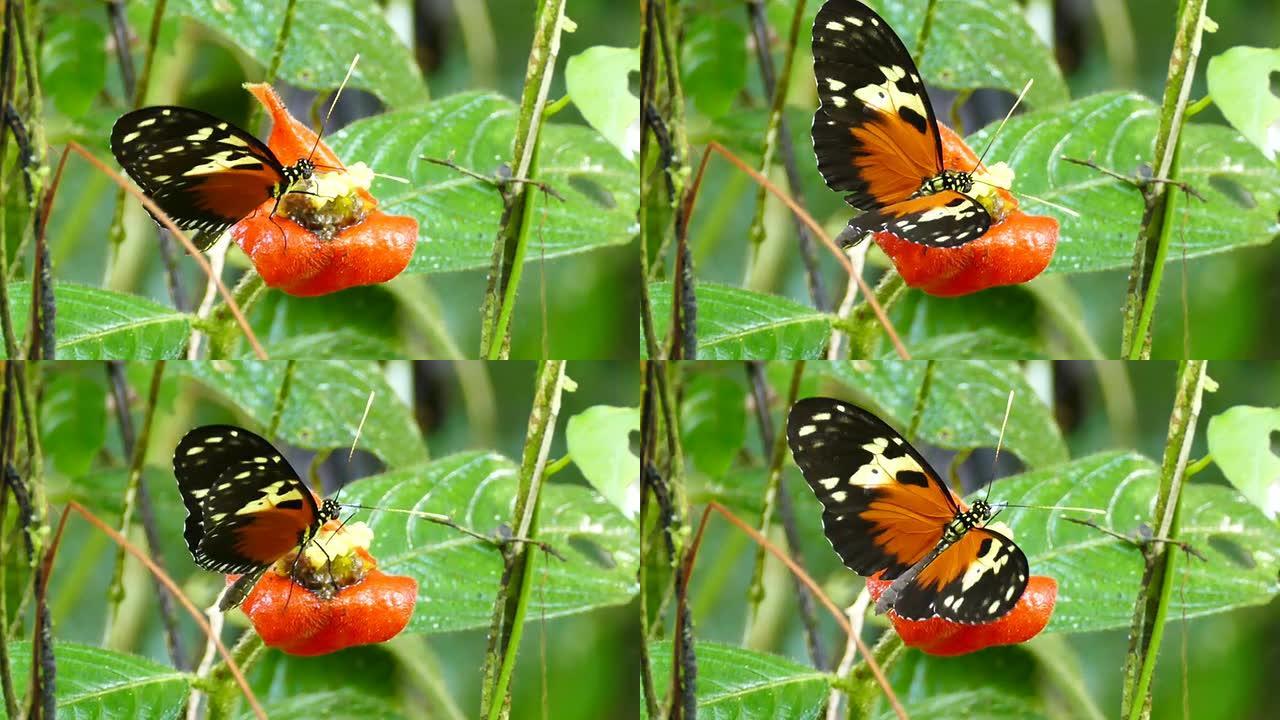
<point x="876" y="137"/>
<point x="886" y="510"/>
<point x="246" y="506"/>
<point x="204" y="172"/>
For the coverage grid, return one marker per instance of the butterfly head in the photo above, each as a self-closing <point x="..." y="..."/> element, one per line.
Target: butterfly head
<point x="301" y="170"/>
<point x="329" y="510"/>
<point x="978" y="514"/>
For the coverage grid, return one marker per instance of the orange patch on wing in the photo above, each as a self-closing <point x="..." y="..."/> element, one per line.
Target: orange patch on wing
<point x="953" y="562"/>
<point x="272" y="534"/>
<point x="235" y="193"/>
<point x="908" y="520"/>
<point x="898" y="158"/>
<point x="924" y="204"/>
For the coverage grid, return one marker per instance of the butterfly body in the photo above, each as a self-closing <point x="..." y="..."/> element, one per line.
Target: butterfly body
<point x="876" y="138"/>
<point x="886" y="511"/>
<point x="246" y="506"/>
<point x="204" y="172"/>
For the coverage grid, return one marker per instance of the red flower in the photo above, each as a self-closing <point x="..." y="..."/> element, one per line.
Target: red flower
<point x="1015" y="249"/>
<point x="327" y="606"/>
<point x="345" y="241"/>
<point x="936" y="636"/>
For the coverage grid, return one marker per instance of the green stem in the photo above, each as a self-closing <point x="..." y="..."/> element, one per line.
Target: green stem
<point x="221" y="687"/>
<point x="1147" y="630"/>
<point x="423" y="311"/>
<point x="1182" y="64"/>
<point x="115" y="593"/>
<point x="225" y="330"/>
<point x="282" y="398"/>
<point x="1142" y="350"/>
<point x="512" y="237"/>
<point x="778" y="455"/>
<point x="510" y="610"/>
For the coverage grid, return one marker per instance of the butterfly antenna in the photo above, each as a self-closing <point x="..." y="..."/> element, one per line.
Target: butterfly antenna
<point x="1008" y="407"/>
<point x="497" y="541"/>
<point x="1007" y="115"/>
<point x="1091" y="511"/>
<point x="356" y="440"/>
<point x="1029" y="196"/>
<point x="323" y="123"/>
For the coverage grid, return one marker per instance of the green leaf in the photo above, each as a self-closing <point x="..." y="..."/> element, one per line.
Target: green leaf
<point x="326" y="402"/>
<point x="944" y="688"/>
<point x="341" y="704"/>
<point x="458" y="576"/>
<point x="998" y="323"/>
<point x="95" y="324"/>
<point x="73" y="64"/>
<point x="73" y="419"/>
<point x="598" y="80"/>
<point x="1118" y="131"/>
<point x="736" y="324"/>
<point x="713" y="62"/>
<point x="325" y="37"/>
<point x="965" y="405"/>
<point x="979" y="44"/>
<point x="1240" y="83"/>
<point x="1240" y="442"/>
<point x="358" y="323"/>
<point x="1098" y="575"/>
<point x="96" y="683"/>
<point x="599" y="441"/>
<point x="457" y="215"/>
<point x="713" y="421"/>
<point x="741" y="684"/>
<point x="346" y="343"/>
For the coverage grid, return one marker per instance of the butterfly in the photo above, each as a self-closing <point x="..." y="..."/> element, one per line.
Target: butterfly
<point x="205" y="173"/>
<point x="886" y="510"/>
<point x="246" y="506"/>
<point x="876" y="137"/>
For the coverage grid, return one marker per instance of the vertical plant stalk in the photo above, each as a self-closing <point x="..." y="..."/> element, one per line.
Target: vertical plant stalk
<point x="221" y="686"/>
<point x="777" y="496"/>
<point x="6" y="420"/>
<point x="43" y="310"/>
<point x="515" y="590"/>
<point x="128" y="441"/>
<point x="777" y="140"/>
<point x="115" y="591"/>
<point x="6" y="90"/>
<point x="1147" y="629"/>
<point x="513" y="233"/>
<point x="684" y="302"/>
<point x="1156" y="231"/>
<point x="282" y="398"/>
<point x="135" y="90"/>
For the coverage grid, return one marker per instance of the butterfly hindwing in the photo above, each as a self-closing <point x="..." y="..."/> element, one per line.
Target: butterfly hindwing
<point x="204" y="172"/>
<point x="884" y="507"/>
<point x="246" y="506"/>
<point x="977" y="579"/>
<point x="944" y="219"/>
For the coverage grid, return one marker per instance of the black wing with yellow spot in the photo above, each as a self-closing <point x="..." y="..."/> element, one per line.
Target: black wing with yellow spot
<point x="885" y="510"/>
<point x="876" y="137"/>
<point x="205" y="173"/>
<point x="246" y="507"/>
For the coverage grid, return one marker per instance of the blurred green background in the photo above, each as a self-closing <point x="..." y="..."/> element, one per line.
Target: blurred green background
<point x="581" y="666"/>
<point x="1229" y="656"/>
<point x="458" y="46"/>
<point x="1098" y="45"/>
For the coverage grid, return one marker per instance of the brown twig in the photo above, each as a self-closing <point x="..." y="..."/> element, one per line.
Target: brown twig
<point x="172" y="587"/>
<point x="186" y="242"/>
<point x="1141" y="183"/>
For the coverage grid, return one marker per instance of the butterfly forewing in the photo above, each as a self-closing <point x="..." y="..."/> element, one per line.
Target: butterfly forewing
<point x="886" y="510"/>
<point x="875" y="135"/>
<point x="246" y="506"/>
<point x="204" y="172"/>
